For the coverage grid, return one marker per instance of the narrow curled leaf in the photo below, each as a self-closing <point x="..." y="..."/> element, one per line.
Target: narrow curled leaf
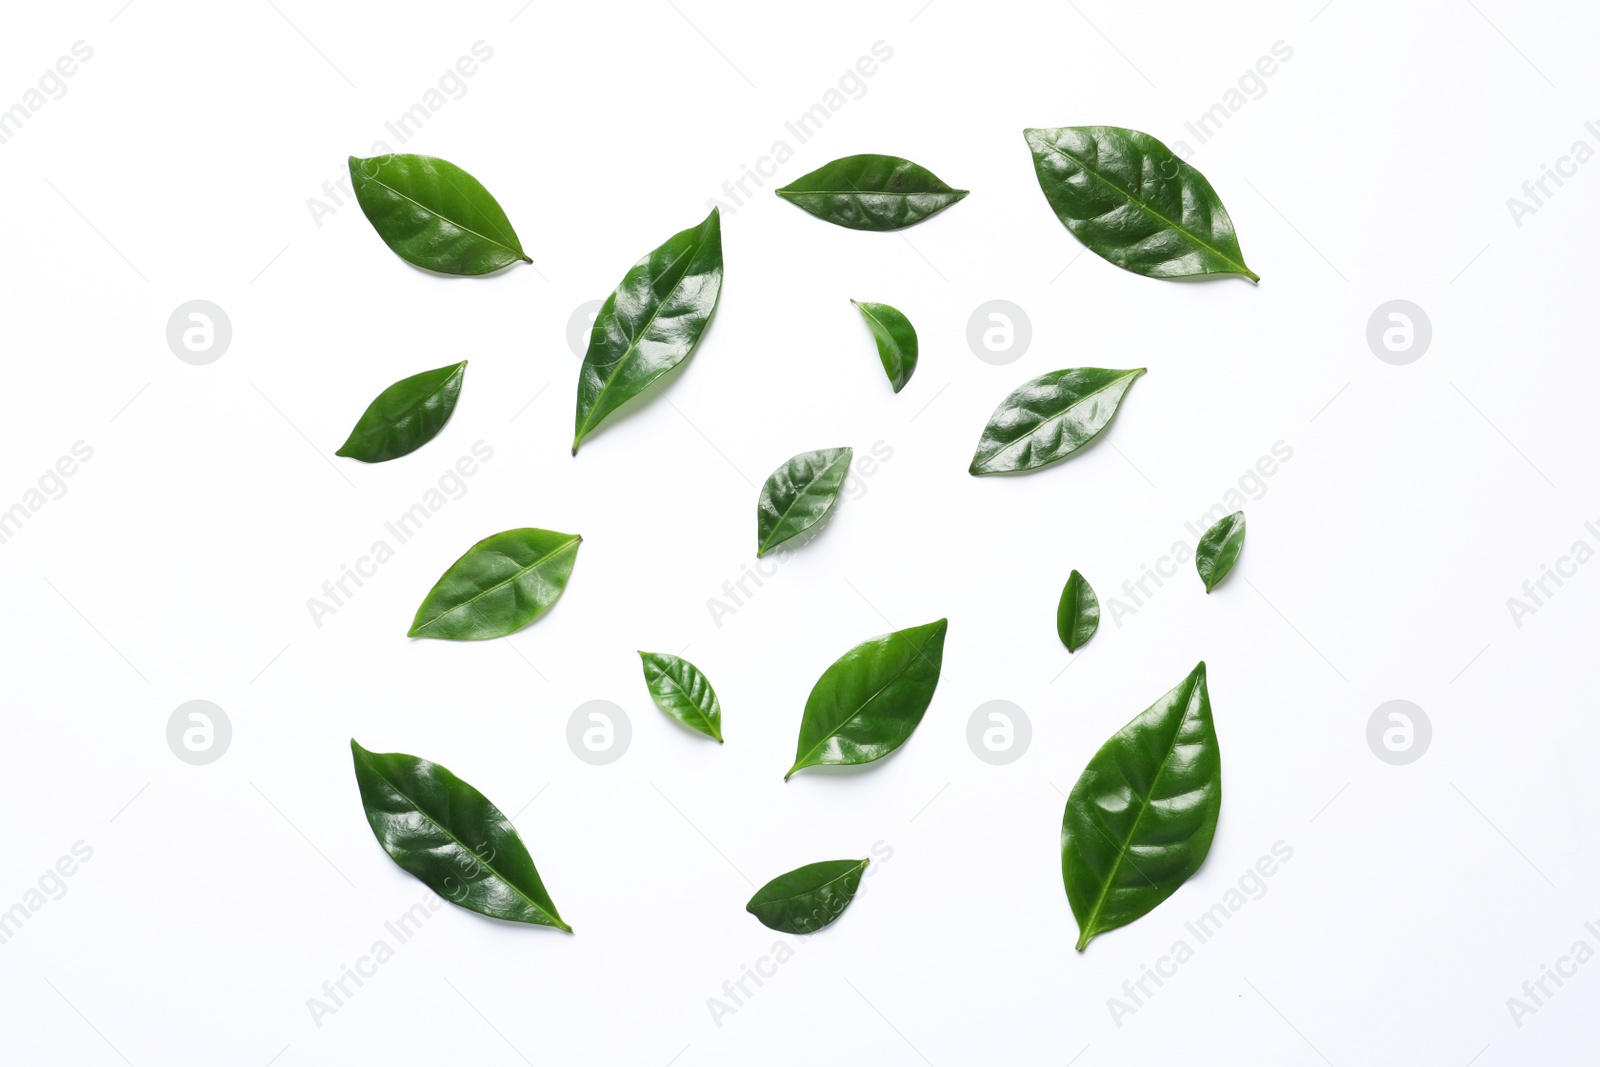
<point x="896" y="338"/>
<point x="434" y="215"/>
<point x="680" y="690"/>
<point x="1131" y="201"/>
<point x="807" y="898"/>
<point x="405" y="416"/>
<point x="1219" y="549"/>
<point x="798" y="494"/>
<point x="871" y="192"/>
<point x="870" y="700"/>
<point x="451" y="838"/>
<point x="1078" y="614"/>
<point x="499" y="586"/>
<point x="1140" y="819"/>
<point x="1049" y="418"/>
<point x="650" y="323"/>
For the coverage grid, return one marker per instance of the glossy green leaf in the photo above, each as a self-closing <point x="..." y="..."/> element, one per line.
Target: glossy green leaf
<point x="405" y="416"/>
<point x="871" y="192"/>
<point x="807" y="898"/>
<point x="867" y="703"/>
<point x="1130" y="200"/>
<point x="1049" y="418"/>
<point x="1078" y="614"/>
<point x="650" y="323"/>
<point x="896" y="338"/>
<point x="683" y="692"/>
<point x="451" y="838"/>
<point x="1219" y="549"/>
<point x="798" y="494"/>
<point x="434" y="215"/>
<point x="1140" y="819"/>
<point x="499" y="586"/>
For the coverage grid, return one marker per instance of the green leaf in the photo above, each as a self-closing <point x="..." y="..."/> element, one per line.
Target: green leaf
<point x="798" y="494"/>
<point x="405" y="416"/>
<point x="1219" y="549"/>
<point x="434" y="215"/>
<point x="650" y="323"/>
<point x="1141" y="817"/>
<point x="451" y="838"/>
<point x="1049" y="418"/>
<point x="897" y="341"/>
<point x="680" y="690"/>
<point x="867" y="703"/>
<point x="871" y="192"/>
<point x="1078" y="614"/>
<point x="807" y="898"/>
<point x="499" y="586"/>
<point x="1130" y="200"/>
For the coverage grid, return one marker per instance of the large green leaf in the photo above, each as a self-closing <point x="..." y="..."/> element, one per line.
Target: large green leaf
<point x="896" y="338"/>
<point x="1049" y="418"/>
<point x="499" y="586"/>
<point x="405" y="416"/>
<point x="683" y="692"/>
<point x="867" y="703"/>
<point x="1130" y="200"/>
<point x="650" y="323"/>
<point x="435" y="215"/>
<point x="871" y="192"/>
<point x="450" y="837"/>
<point x="807" y="898"/>
<point x="798" y="494"/>
<point x="1078" y="613"/>
<point x="1219" y="549"/>
<point x="1140" y="819"/>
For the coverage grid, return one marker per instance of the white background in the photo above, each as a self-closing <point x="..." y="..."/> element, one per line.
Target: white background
<point x="1377" y="164"/>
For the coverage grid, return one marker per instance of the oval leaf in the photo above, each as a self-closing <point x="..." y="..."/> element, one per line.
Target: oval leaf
<point x="650" y="323"/>
<point x="897" y="341"/>
<point x="434" y="215"/>
<point x="1049" y="418"/>
<point x="680" y="690"/>
<point x="807" y="898"/>
<point x="798" y="494"/>
<point x="1141" y="817"/>
<point x="451" y="838"/>
<point x="405" y="416"/>
<point x="499" y="586"/>
<point x="1130" y="200"/>
<point x="1219" y="549"/>
<point x="1078" y="614"/>
<point x="866" y="705"/>
<point x="871" y="192"/>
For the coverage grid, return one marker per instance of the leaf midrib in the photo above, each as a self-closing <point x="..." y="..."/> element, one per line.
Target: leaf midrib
<point x="856" y="711"/>
<point x="705" y="717"/>
<point x="782" y="518"/>
<point x="1064" y="412"/>
<point x="541" y="561"/>
<point x="519" y="253"/>
<point x="410" y="410"/>
<point x="855" y="865"/>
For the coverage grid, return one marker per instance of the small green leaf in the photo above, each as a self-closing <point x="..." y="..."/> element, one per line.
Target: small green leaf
<point x="871" y="192"/>
<point x="405" y="416"/>
<point x="1078" y="614"/>
<point x="434" y="215"/>
<point x="1219" y="549"/>
<point x="1049" y="418"/>
<point x="807" y="898"/>
<point x="499" y="586"/>
<point x="897" y="341"/>
<point x="680" y="690"/>
<point x="798" y="494"/>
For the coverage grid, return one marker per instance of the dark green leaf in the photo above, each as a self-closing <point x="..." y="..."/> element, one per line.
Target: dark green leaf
<point x="1140" y="819"/>
<point x="1078" y="614"/>
<point x="871" y="192"/>
<point x="807" y="898"/>
<point x="1049" y="418"/>
<point x="897" y="341"/>
<point x="1130" y="200"/>
<point x="1219" y="549"/>
<point x="435" y="215"/>
<point x="451" y="838"/>
<point x="798" y="494"/>
<point x="650" y="323"/>
<point x="866" y="705"/>
<point x="680" y="690"/>
<point x="502" y="584"/>
<point x="405" y="416"/>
